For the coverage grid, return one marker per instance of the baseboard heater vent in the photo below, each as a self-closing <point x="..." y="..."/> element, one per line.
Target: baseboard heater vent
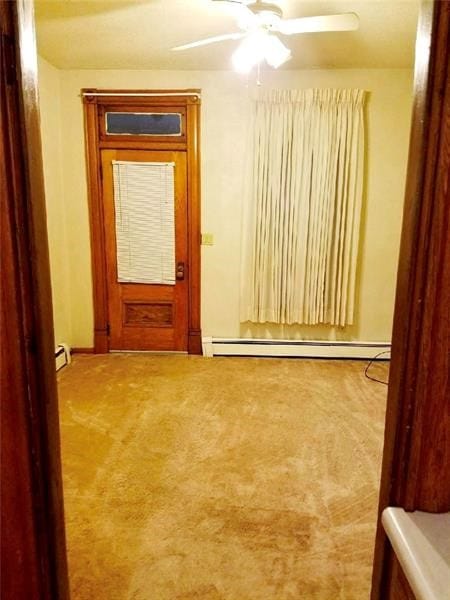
<point x="62" y="356"/>
<point x="294" y="348"/>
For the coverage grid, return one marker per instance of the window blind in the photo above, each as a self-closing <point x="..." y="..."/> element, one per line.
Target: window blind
<point x="145" y="221"/>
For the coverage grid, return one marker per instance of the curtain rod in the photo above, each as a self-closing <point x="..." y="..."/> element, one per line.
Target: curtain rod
<point x="196" y="94"/>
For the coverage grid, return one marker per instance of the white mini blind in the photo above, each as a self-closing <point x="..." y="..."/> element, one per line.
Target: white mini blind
<point x="144" y="196"/>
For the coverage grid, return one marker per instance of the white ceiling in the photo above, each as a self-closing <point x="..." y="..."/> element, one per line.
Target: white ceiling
<point x="138" y="34"/>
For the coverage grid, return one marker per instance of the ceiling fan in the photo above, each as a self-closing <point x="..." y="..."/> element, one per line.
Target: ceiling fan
<point x="260" y="21"/>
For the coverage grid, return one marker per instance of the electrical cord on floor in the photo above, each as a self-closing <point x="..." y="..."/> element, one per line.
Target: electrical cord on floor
<point x="369" y="364"/>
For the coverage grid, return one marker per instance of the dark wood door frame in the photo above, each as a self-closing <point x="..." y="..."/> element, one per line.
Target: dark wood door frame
<point x="33" y="552"/>
<point x="415" y="463"/>
<point x="189" y="102"/>
<point x="416" y="455"/>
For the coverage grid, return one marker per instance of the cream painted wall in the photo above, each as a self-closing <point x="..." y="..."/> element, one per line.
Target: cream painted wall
<point x="50" y="108"/>
<point x="225" y="118"/>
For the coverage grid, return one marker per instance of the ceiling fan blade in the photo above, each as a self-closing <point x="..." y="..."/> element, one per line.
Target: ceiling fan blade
<point x="210" y="40"/>
<point x="240" y="8"/>
<point x="342" y="22"/>
<point x="243" y="3"/>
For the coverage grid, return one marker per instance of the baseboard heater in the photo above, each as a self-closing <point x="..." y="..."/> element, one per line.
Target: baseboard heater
<point x="62" y="356"/>
<point x="295" y="348"/>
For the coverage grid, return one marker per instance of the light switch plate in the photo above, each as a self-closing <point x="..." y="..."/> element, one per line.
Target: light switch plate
<point x="207" y="239"/>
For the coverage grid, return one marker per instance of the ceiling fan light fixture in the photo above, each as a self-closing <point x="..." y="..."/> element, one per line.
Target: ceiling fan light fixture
<point x="256" y="47"/>
<point x="276" y="53"/>
<point x="250" y="52"/>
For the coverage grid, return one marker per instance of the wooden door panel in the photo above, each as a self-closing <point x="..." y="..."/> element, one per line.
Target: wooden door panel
<point x="186" y="102"/>
<point x="147" y="316"/>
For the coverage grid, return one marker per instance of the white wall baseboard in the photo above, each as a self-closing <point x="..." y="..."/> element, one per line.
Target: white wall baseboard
<point x="294" y="348"/>
<point x="62" y="356"/>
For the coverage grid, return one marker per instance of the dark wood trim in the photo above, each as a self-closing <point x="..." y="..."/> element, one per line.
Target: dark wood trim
<point x="80" y="350"/>
<point x="101" y="343"/>
<point x="33" y="539"/>
<point x="193" y="127"/>
<point x="425" y="482"/>
<point x="191" y="104"/>
<point x="18" y="527"/>
<point x="124" y="97"/>
<point x="416" y="459"/>
<point x="133" y="145"/>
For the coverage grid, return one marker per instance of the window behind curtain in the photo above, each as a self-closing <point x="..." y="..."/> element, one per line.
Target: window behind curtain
<point x="303" y="217"/>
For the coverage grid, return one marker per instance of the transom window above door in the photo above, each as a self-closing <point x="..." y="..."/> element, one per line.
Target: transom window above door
<point x="138" y="123"/>
<point x="128" y="123"/>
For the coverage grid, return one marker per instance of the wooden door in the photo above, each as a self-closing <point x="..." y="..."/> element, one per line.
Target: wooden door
<point x="144" y="126"/>
<point x="147" y="316"/>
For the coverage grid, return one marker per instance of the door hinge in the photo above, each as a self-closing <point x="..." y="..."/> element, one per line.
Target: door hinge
<point x="108" y="329"/>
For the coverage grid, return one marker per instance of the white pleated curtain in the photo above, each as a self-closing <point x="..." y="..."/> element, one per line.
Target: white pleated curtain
<point x="301" y="231"/>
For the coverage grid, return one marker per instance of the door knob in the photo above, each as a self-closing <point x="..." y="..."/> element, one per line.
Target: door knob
<point x="180" y="271"/>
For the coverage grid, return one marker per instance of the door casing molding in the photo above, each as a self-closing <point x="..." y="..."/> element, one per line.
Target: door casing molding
<point x="188" y="100"/>
<point x="33" y="546"/>
<point x="416" y="454"/>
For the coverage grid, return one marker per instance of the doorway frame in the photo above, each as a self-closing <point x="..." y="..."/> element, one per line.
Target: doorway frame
<point x="189" y="99"/>
<point x="415" y="471"/>
<point x="44" y="425"/>
<point x="33" y="543"/>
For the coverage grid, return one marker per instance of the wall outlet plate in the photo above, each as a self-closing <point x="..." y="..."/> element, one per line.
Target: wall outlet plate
<point x="207" y="239"/>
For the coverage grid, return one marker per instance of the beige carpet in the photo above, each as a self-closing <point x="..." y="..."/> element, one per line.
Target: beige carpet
<point x="224" y="478"/>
